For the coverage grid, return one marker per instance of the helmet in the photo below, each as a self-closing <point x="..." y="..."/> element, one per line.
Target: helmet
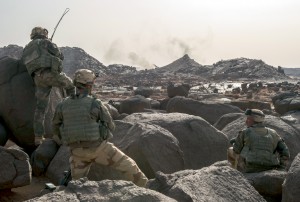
<point x="84" y="76"/>
<point x="258" y="115"/>
<point x="38" y="31"/>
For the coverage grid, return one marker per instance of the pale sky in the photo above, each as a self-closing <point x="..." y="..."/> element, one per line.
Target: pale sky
<point x="146" y="32"/>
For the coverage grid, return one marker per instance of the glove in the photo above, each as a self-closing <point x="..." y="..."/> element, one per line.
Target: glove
<point x="57" y="140"/>
<point x="38" y="140"/>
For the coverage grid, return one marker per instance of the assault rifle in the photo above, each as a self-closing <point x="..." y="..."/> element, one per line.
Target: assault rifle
<point x="67" y="178"/>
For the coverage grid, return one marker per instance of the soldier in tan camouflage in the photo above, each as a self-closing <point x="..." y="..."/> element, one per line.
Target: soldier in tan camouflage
<point x="83" y="123"/>
<point x="43" y="61"/>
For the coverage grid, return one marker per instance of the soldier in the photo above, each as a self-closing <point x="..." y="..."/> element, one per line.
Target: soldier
<point x="43" y="61"/>
<point x="261" y="147"/>
<point x="83" y="123"/>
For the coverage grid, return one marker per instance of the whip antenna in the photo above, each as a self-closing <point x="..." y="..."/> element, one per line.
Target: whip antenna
<point x="65" y="12"/>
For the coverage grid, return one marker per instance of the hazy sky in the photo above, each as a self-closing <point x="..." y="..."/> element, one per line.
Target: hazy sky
<point x="146" y="32"/>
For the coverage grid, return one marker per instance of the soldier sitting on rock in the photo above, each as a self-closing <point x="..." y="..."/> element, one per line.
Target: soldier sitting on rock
<point x="83" y="123"/>
<point x="261" y="147"/>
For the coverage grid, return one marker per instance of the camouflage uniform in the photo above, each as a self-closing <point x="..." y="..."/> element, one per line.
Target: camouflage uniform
<point x="260" y="146"/>
<point x="43" y="61"/>
<point x="99" y="151"/>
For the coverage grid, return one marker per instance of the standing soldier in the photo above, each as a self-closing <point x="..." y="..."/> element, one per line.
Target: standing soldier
<point x="43" y="61"/>
<point x="83" y="123"/>
<point x="261" y="147"/>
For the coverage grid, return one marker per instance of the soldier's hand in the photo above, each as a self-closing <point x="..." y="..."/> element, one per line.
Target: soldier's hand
<point x="38" y="140"/>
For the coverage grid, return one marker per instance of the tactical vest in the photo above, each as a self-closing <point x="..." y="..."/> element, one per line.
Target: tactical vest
<point x="36" y="56"/>
<point x="259" y="148"/>
<point x="77" y="122"/>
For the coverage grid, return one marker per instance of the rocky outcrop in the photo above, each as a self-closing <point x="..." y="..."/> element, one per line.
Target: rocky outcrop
<point x="201" y="143"/>
<point x="261" y="182"/>
<point x="15" y="170"/>
<point x="13" y="51"/>
<point x="106" y="190"/>
<point x="18" y="102"/>
<point x="76" y="58"/>
<point x="179" y="89"/>
<point x="213" y="183"/>
<point x="285" y="102"/>
<point x="210" y="111"/>
<point x="134" y="104"/>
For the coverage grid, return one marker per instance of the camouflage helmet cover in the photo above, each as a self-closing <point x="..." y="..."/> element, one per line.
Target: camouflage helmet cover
<point x="258" y="115"/>
<point x="84" y="76"/>
<point x="38" y="31"/>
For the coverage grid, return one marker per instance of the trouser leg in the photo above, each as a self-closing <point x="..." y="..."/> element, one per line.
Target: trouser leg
<point x="42" y="100"/>
<point x="109" y="155"/>
<point x="232" y="157"/>
<point x="80" y="167"/>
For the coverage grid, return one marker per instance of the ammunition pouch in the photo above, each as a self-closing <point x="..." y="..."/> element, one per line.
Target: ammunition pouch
<point x="104" y="131"/>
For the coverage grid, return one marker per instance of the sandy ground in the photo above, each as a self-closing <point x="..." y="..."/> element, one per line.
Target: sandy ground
<point x="26" y="192"/>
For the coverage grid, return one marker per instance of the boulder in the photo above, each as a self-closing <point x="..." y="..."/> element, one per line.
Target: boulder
<point x="59" y="164"/>
<point x="42" y="156"/>
<point x="114" y="113"/>
<point x="17" y="104"/>
<point x="152" y="147"/>
<point x="249" y="104"/>
<point x="227" y="119"/>
<point x="261" y="182"/>
<point x="15" y="170"/>
<point x="106" y="190"/>
<point x="144" y="91"/>
<point x="201" y="143"/>
<point x="291" y="184"/>
<point x="213" y="183"/>
<point x="178" y="90"/>
<point x="210" y="111"/>
<point x="134" y="104"/>
<point x="285" y="102"/>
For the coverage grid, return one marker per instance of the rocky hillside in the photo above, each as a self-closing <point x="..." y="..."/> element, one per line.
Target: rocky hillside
<point x="183" y="65"/>
<point x="244" y="68"/>
<point x="76" y="58"/>
<point x="292" y="72"/>
<point x="13" y="51"/>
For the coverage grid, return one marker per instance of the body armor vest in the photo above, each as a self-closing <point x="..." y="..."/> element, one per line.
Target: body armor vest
<point x="77" y="122"/>
<point x="259" y="147"/>
<point x="36" y="56"/>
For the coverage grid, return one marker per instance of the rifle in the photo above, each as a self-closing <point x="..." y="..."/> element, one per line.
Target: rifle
<point x="67" y="178"/>
<point x="65" y="12"/>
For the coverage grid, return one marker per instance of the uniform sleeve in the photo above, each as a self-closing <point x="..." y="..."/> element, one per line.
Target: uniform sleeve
<point x="57" y="121"/>
<point x="283" y="150"/>
<point x="54" y="50"/>
<point x="100" y="112"/>
<point x="239" y="142"/>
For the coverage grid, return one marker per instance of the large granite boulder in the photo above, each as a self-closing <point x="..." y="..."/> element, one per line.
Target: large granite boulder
<point x="290" y="134"/>
<point x="15" y="170"/>
<point x="17" y="104"/>
<point x="291" y="185"/>
<point x="42" y="156"/>
<point x="285" y="102"/>
<point x="59" y="164"/>
<point x="261" y="182"/>
<point x="106" y="190"/>
<point x="134" y="104"/>
<point x="213" y="183"/>
<point x="251" y="104"/>
<point x="150" y="146"/>
<point x="210" y="111"/>
<point x="226" y="119"/>
<point x="201" y="143"/>
<point x="178" y="89"/>
<point x="144" y="91"/>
